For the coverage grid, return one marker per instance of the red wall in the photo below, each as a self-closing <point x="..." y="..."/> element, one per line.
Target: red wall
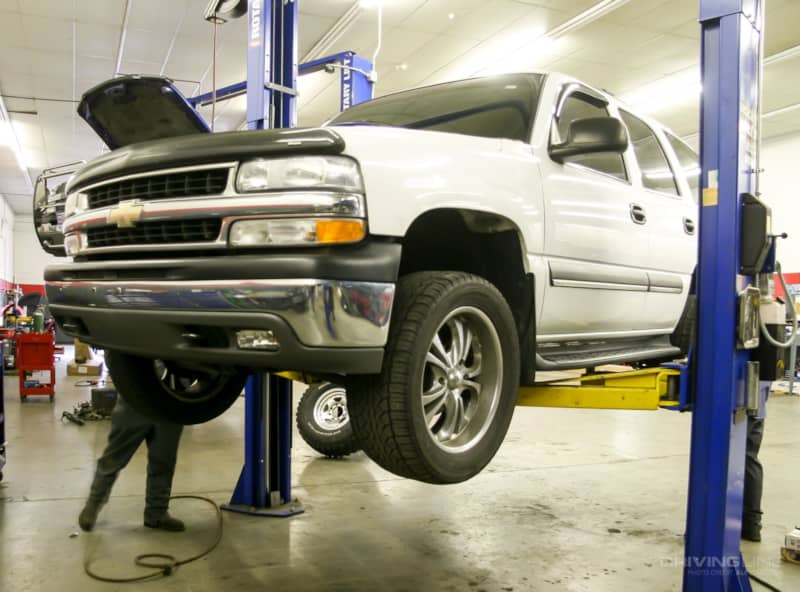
<point x="26" y="288"/>
<point x="791" y="278"/>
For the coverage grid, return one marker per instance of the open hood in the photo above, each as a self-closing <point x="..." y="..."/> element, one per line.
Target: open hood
<point x="132" y="109"/>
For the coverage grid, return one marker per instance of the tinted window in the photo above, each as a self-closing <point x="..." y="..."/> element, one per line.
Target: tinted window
<point x="577" y="106"/>
<point x="656" y="172"/>
<point x="690" y="163"/>
<point x="495" y="107"/>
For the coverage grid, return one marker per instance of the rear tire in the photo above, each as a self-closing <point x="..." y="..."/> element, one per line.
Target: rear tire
<point x="323" y="421"/>
<point x="442" y="404"/>
<point x="167" y="391"/>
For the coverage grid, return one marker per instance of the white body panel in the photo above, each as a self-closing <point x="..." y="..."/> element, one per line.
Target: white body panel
<point x="598" y="273"/>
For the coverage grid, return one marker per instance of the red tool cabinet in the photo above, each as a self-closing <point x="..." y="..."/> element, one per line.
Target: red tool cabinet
<point x="35" y="354"/>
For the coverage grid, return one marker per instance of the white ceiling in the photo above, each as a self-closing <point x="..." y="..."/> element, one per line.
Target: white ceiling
<point x="56" y="49"/>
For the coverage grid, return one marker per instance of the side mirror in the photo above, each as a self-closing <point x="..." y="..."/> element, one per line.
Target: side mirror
<point x="49" y="200"/>
<point x="590" y="136"/>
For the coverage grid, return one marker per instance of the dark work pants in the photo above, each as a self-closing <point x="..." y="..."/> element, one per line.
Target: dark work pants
<point x="129" y="429"/>
<point x="753" y="474"/>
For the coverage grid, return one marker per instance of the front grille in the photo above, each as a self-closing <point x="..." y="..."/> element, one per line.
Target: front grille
<point x="184" y="184"/>
<point x="155" y="233"/>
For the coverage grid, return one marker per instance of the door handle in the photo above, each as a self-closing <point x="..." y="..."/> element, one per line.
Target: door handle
<point x="638" y="214"/>
<point x="688" y="226"/>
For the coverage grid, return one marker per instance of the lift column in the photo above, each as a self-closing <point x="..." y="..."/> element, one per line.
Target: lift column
<point x="264" y="487"/>
<point x="731" y="31"/>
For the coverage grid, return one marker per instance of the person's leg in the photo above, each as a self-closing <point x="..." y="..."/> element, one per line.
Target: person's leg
<point x="753" y="481"/>
<point x="128" y="430"/>
<point x="162" y="453"/>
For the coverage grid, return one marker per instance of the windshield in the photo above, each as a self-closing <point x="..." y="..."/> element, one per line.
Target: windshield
<point x="493" y="107"/>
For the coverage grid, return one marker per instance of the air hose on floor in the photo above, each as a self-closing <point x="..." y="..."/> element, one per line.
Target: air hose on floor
<point x="162" y="564"/>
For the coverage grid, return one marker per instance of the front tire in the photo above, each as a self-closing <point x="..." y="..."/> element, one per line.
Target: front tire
<point x="442" y="404"/>
<point x="168" y="391"/>
<point x="323" y="421"/>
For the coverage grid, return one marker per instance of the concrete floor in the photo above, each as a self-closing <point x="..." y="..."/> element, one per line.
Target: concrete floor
<point x="575" y="500"/>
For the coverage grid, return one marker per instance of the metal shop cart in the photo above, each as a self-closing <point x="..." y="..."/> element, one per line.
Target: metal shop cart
<point x="35" y="361"/>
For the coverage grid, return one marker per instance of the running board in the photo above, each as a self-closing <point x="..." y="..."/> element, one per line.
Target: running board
<point x="571" y="359"/>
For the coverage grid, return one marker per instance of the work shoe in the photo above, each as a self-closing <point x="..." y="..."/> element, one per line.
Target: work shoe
<point x="166" y="522"/>
<point x="751" y="532"/>
<point x="88" y="517"/>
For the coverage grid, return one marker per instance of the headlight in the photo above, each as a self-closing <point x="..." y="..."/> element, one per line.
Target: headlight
<point x="75" y="204"/>
<point x="295" y="231"/>
<point x="307" y="172"/>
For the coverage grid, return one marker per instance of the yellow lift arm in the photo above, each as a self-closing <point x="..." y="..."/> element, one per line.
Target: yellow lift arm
<point x="647" y="390"/>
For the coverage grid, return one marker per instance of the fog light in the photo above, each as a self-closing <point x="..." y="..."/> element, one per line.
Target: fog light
<point x="257" y="339"/>
<point x="74" y="243"/>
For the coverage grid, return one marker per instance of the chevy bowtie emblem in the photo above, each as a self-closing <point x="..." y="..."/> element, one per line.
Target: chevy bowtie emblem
<point x="125" y="215"/>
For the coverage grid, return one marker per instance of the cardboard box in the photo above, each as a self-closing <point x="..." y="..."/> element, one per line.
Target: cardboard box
<point x="82" y="352"/>
<point x="88" y="368"/>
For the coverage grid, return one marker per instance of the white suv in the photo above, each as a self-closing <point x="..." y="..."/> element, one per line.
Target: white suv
<point x="430" y="250"/>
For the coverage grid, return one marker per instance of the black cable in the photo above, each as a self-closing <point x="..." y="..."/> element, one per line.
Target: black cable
<point x="767" y="585"/>
<point x="163" y="564"/>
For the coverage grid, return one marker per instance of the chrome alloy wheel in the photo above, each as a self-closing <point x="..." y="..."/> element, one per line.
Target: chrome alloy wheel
<point x="462" y="379"/>
<point x="330" y="410"/>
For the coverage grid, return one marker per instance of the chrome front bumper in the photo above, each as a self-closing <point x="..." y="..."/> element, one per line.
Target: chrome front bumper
<point x="321" y="313"/>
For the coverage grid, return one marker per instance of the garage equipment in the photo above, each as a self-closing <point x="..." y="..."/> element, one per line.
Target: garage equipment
<point x="731" y="45"/>
<point x="35" y="362"/>
<point x="355" y="73"/>
<point x="723" y="373"/>
<point x="264" y="486"/>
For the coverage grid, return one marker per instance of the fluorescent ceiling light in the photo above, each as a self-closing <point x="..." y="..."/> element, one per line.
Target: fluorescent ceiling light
<point x="681" y="88"/>
<point x="492" y="56"/>
<point x="671" y="91"/>
<point x="8" y="137"/>
<point x="587" y="16"/>
<point x="519" y="50"/>
<point x="542" y="47"/>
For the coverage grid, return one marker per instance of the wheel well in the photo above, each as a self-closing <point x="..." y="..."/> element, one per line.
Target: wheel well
<point x="486" y="245"/>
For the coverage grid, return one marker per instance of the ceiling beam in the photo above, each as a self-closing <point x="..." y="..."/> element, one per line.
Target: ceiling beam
<point x="173" y="40"/>
<point x="781" y="111"/>
<point x="788" y="53"/>
<point x="323" y="45"/>
<point x="589" y="15"/>
<point x="122" y="34"/>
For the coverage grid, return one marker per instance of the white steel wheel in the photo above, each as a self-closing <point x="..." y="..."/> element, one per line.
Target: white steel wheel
<point x="323" y="420"/>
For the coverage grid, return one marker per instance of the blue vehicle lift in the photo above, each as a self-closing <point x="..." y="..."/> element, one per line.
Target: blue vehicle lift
<point x="731" y="62"/>
<point x="356" y="76"/>
<point x="264" y="487"/>
<point x="715" y="391"/>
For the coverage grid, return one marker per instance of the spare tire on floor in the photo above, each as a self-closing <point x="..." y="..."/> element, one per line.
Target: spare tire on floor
<point x="323" y="420"/>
